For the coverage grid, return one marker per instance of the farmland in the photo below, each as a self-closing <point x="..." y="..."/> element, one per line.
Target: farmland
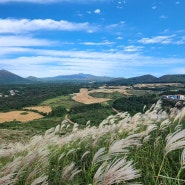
<point x="104" y="118"/>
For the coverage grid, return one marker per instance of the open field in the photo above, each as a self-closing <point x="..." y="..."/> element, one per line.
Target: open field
<point x="44" y="109"/>
<point x="84" y="97"/>
<point x="154" y="85"/>
<point x="112" y="89"/>
<point x="21" y="116"/>
<point x="65" y="101"/>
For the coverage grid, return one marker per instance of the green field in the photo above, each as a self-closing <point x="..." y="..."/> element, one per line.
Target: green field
<point x="65" y="101"/>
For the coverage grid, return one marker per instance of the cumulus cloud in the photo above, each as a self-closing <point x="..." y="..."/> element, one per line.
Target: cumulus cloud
<point x="26" y="25"/>
<point x="97" y="11"/>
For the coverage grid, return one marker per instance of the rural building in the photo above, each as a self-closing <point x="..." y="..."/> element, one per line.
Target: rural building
<point x="174" y="97"/>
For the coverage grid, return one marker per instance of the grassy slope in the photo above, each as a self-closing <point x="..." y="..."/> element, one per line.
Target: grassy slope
<point x="145" y="148"/>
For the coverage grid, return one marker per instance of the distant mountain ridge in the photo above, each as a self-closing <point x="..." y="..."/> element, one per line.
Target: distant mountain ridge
<point x="7" y="77"/>
<point x="77" y="77"/>
<point x="178" y="78"/>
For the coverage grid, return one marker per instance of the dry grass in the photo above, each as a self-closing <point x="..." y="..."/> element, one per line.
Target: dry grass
<point x="21" y="116"/>
<point x="44" y="109"/>
<point x="84" y="97"/>
<point x="159" y="85"/>
<point x="112" y="89"/>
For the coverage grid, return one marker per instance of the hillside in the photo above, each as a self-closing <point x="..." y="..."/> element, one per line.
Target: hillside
<point x="172" y="78"/>
<point x="179" y="78"/>
<point x="7" y="77"/>
<point x="147" y="148"/>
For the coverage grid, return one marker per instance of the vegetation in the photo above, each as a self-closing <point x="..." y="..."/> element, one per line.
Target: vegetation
<point x="143" y="149"/>
<point x="33" y="94"/>
<point x="135" y="104"/>
<point x="94" y="113"/>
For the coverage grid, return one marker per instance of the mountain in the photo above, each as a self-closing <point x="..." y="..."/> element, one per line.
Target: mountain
<point x="76" y="77"/>
<point x="143" y="79"/>
<point x="7" y="77"/>
<point x="178" y="78"/>
<point x="173" y="78"/>
<point x="134" y="80"/>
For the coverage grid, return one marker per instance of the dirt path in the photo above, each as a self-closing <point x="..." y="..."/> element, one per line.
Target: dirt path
<point x="67" y="119"/>
<point x="115" y="110"/>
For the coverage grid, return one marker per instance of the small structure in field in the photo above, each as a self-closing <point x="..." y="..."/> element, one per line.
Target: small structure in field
<point x="174" y="97"/>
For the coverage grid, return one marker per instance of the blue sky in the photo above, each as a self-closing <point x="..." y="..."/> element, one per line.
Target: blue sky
<point x="118" y="38"/>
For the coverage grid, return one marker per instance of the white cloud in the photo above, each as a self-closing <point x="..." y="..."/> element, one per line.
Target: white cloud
<point x="7" y="41"/>
<point x="119" y="38"/>
<point x="42" y="63"/>
<point x="97" y="11"/>
<point x="154" y="7"/>
<point x="163" y="17"/>
<point x="157" y="40"/>
<point x="105" y="43"/>
<point x="25" y="25"/>
<point x="132" y="48"/>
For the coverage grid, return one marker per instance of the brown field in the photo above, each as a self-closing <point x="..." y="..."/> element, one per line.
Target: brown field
<point x="44" y="109"/>
<point x="83" y="97"/>
<point x="159" y="85"/>
<point x="19" y="116"/>
<point x="111" y="89"/>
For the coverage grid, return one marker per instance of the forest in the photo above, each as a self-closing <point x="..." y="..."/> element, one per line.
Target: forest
<point x="33" y="94"/>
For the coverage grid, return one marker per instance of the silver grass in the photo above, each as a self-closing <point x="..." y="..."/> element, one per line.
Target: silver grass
<point x="57" y="129"/>
<point x="85" y="153"/>
<point x="40" y="180"/>
<point x="50" y="131"/>
<point x="69" y="172"/>
<point x="183" y="159"/>
<point x="157" y="141"/>
<point x="146" y="139"/>
<point x="175" y="141"/>
<point x="73" y="150"/>
<point x="123" y="145"/>
<point x="7" y="180"/>
<point x="75" y="127"/>
<point x="150" y="129"/>
<point x="164" y="124"/>
<point x="61" y="156"/>
<point x="116" y="172"/>
<point x="178" y="127"/>
<point x="12" y="167"/>
<point x="99" y="156"/>
<point x="88" y="123"/>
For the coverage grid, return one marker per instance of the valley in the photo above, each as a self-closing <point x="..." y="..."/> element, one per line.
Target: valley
<point x="76" y="121"/>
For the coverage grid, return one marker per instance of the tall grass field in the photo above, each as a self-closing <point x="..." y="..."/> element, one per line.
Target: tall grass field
<point x="147" y="148"/>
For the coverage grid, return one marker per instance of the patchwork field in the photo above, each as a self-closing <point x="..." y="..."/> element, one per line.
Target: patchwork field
<point x="22" y="116"/>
